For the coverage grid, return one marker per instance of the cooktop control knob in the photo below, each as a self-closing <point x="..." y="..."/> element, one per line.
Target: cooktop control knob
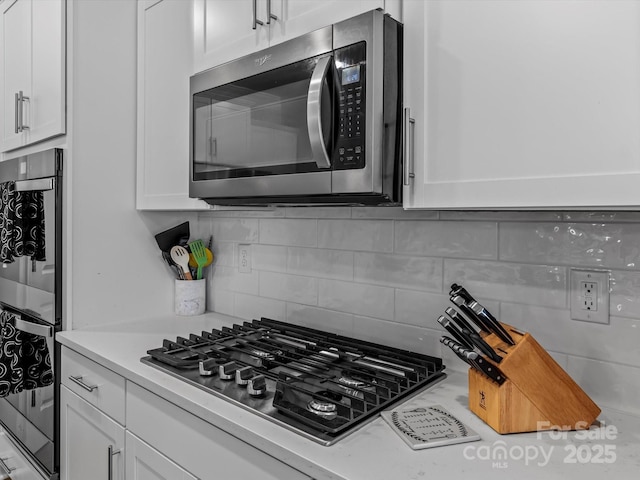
<point x="207" y="367"/>
<point x="243" y="375"/>
<point x="257" y="386"/>
<point x="227" y="371"/>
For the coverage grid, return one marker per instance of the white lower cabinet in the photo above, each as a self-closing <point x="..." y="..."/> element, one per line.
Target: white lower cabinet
<point x="207" y="451"/>
<point x="92" y="444"/>
<point x="153" y="440"/>
<point x="145" y="463"/>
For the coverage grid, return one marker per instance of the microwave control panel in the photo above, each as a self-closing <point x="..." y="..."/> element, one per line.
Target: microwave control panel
<point x="349" y="151"/>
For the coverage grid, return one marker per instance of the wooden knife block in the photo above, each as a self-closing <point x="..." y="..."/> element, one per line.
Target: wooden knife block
<point x="536" y="395"/>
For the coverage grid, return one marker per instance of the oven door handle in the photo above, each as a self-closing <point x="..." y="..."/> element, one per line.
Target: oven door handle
<point x="314" y="113"/>
<point x="39" y="184"/>
<point x="34" y="328"/>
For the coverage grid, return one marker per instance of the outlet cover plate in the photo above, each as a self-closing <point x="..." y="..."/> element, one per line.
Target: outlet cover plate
<point x="244" y="258"/>
<point x="600" y="312"/>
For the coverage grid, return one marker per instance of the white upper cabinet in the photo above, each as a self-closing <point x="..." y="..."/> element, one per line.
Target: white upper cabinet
<point x="228" y="29"/>
<point x="32" y="63"/>
<point x="164" y="67"/>
<point x="527" y="104"/>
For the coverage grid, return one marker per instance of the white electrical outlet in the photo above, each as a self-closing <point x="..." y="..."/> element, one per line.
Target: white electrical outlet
<point x="590" y="295"/>
<point x="244" y="258"/>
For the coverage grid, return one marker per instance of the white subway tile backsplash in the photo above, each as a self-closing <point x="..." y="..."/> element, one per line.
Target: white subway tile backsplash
<point x="600" y="245"/>
<point x="221" y="301"/>
<point x="272" y="258"/>
<point x="392" y="213"/>
<point x="300" y="233"/>
<point x="292" y="288"/>
<point x="418" y="273"/>
<point x="245" y="212"/>
<point x="320" y="318"/>
<point x="320" y="262"/>
<point x="252" y="307"/>
<point x="229" y="279"/>
<point x="555" y="330"/>
<point x="415" y="339"/>
<point x="608" y="384"/>
<point x="600" y="217"/>
<point x="358" y="235"/>
<point x="510" y="282"/>
<point x="420" y="308"/>
<point x="357" y="298"/>
<point x="447" y="239"/>
<point x="625" y="294"/>
<point x="224" y="254"/>
<point x="318" y="212"/>
<point x="383" y="274"/>
<point x="243" y="230"/>
<point x="501" y="216"/>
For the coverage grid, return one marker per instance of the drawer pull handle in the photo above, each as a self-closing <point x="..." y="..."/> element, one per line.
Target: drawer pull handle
<point x="110" y="453"/>
<point x="78" y="381"/>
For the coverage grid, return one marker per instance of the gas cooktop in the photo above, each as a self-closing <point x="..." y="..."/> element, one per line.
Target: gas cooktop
<point x="318" y="384"/>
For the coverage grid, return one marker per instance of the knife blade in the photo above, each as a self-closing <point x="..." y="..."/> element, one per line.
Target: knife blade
<point x="472" y="336"/>
<point x="475" y="360"/>
<point x="490" y="320"/>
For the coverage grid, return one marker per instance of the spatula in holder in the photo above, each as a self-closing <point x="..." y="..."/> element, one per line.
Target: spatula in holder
<point x="537" y="395"/>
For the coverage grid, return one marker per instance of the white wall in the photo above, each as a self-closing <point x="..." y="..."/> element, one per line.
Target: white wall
<point x="114" y="268"/>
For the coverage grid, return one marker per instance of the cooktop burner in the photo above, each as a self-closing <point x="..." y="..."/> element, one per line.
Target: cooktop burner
<point x="318" y="384"/>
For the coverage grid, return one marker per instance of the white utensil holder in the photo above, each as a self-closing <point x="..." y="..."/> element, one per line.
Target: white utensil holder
<point x="190" y="297"/>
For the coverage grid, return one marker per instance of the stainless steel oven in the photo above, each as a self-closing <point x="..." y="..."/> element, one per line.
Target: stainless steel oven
<point x="30" y="313"/>
<point x="315" y="119"/>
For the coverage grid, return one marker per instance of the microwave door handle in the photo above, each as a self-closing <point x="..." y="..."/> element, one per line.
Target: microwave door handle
<point x="314" y="113"/>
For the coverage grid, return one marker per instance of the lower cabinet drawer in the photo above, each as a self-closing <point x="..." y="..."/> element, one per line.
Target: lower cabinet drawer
<point x="96" y="384"/>
<point x="204" y="450"/>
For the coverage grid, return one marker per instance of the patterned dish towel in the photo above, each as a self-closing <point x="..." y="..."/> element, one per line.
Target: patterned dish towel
<point x="25" y="361"/>
<point x="22" y="224"/>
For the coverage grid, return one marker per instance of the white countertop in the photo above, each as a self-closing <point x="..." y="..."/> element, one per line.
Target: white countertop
<point x="374" y="451"/>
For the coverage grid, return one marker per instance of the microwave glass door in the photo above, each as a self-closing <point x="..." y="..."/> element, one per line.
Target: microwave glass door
<point x="258" y="126"/>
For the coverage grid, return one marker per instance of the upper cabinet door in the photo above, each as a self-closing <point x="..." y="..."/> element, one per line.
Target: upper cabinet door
<point x="33" y="71"/>
<point x="527" y="104"/>
<point x="227" y="29"/>
<point x="15" y="68"/>
<point x="295" y="18"/>
<point x="165" y="64"/>
<point x="48" y="70"/>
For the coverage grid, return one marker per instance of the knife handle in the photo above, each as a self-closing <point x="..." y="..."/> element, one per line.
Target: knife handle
<point x="496" y="326"/>
<point x="459" y="319"/>
<point x="452" y="330"/>
<point x="483" y="346"/>
<point x="461" y="304"/>
<point x="450" y="343"/>
<point x="460" y="290"/>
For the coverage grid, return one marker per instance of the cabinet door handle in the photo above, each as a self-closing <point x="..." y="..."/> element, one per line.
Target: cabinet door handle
<point x="256" y="22"/>
<point x="78" y="381"/>
<point x="110" y="454"/>
<point x="20" y="112"/>
<point x="270" y="16"/>
<point x="17" y="113"/>
<point x="408" y="125"/>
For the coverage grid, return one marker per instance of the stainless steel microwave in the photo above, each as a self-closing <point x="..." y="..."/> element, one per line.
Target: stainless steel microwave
<point x="316" y="119"/>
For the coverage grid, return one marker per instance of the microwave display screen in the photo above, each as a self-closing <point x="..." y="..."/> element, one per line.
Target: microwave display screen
<point x="351" y="75"/>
